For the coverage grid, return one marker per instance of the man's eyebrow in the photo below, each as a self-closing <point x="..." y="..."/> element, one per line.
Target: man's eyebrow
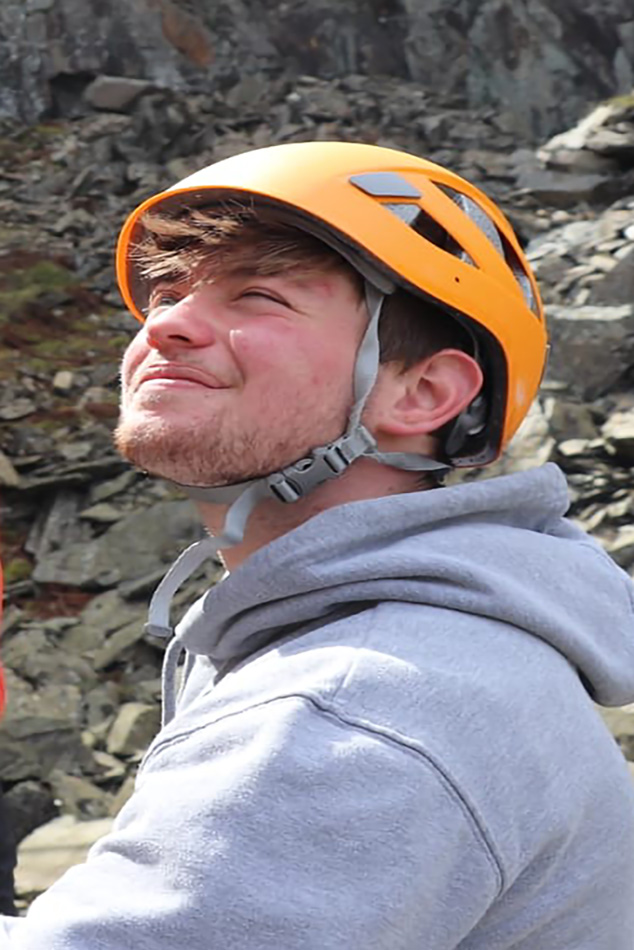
<point x="168" y="280"/>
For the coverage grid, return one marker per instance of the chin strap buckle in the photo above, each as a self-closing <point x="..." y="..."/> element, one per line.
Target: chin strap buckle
<point x="295" y="481"/>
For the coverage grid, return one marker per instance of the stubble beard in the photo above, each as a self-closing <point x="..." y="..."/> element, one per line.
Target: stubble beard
<point x="213" y="453"/>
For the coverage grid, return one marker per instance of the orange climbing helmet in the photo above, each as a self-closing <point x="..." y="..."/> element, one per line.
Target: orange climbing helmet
<point x="401" y="221"/>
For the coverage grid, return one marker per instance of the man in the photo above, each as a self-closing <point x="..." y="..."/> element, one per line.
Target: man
<point x="385" y="736"/>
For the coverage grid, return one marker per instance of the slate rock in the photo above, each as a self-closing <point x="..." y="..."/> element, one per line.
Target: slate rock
<point x="103" y="490"/>
<point x="617" y="287"/>
<point x="562" y="189"/>
<point x="133" y="729"/>
<point x="58" y="528"/>
<point x="17" y="409"/>
<point x="621" y="547"/>
<point x="63" y="381"/>
<point x="79" y="797"/>
<point x="29" y="804"/>
<point x="533" y="444"/>
<point x="54" y="848"/>
<point x="123" y="795"/>
<point x="115" y="93"/>
<point x="101" y="704"/>
<point x="111" y="768"/>
<point x="569" y="420"/>
<point x="103" y="616"/>
<point x="135" y="546"/>
<point x="117" y="644"/>
<point x="102" y="513"/>
<point x="39" y="660"/>
<point x="618" y="432"/>
<point x="40" y="730"/>
<point x="9" y="477"/>
<point x="592" y="347"/>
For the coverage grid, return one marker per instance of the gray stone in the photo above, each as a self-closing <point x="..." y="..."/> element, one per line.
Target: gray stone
<point x="115" y="93"/>
<point x="578" y="137"/>
<point x="29" y="805"/>
<point x="39" y="6"/>
<point x="565" y="190"/>
<point x="141" y="588"/>
<point x="569" y="420"/>
<point x="137" y="545"/>
<point x="592" y="347"/>
<point x="40" y="730"/>
<point x="8" y="475"/>
<point x="57" y="528"/>
<point x="617" y="287"/>
<point x="102" y="513"/>
<point x="17" y="409"/>
<point x="79" y="797"/>
<point x="101" y="704"/>
<point x="118" y="644"/>
<point x="532" y="445"/>
<point x="76" y="451"/>
<point x="114" y="486"/>
<point x="101" y="618"/>
<point x="63" y="381"/>
<point x="54" y="848"/>
<point x="123" y="795"/>
<point x="618" y="432"/>
<point x="40" y="661"/>
<point x="579" y="160"/>
<point x="575" y="448"/>
<point x="111" y="768"/>
<point x="133" y="729"/>
<point x="621" y="547"/>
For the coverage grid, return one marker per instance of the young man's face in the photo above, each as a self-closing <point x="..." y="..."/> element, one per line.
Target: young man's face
<point x="236" y="378"/>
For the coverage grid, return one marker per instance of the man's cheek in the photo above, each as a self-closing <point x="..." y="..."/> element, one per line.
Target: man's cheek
<point x="261" y="345"/>
<point x="132" y="359"/>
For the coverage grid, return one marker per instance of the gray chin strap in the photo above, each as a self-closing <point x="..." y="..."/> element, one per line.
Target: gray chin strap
<point x="296" y="480"/>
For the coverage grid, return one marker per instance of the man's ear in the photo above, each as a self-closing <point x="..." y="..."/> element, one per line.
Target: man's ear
<point x="427" y="395"/>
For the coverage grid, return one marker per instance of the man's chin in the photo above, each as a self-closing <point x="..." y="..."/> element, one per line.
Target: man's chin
<point x="177" y="463"/>
<point x="182" y="458"/>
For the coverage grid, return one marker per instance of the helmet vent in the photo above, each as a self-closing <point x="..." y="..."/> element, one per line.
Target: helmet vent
<point x="498" y="240"/>
<point x="477" y="215"/>
<point x="406" y="212"/>
<point x="521" y="277"/>
<point x="430" y="229"/>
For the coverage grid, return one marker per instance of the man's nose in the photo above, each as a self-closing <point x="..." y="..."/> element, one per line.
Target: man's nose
<point x="181" y="324"/>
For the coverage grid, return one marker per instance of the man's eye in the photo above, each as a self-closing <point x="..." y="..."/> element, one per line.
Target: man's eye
<point x="162" y="299"/>
<point x="262" y="294"/>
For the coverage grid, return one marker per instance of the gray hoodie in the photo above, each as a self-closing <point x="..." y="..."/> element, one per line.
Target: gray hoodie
<point x="387" y="741"/>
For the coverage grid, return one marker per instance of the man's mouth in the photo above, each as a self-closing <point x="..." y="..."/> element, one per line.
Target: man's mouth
<point x="172" y="375"/>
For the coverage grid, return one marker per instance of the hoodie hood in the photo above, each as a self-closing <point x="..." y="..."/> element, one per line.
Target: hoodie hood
<point x="498" y="548"/>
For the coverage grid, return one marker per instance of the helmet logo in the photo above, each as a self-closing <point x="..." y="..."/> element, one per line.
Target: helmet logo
<point x="385" y="185"/>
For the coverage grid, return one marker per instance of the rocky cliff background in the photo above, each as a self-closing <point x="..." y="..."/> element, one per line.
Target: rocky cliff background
<point x="102" y="103"/>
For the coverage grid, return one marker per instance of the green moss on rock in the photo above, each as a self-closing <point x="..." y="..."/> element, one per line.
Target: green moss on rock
<point x="18" y="569"/>
<point x="23" y="286"/>
<point x="625" y="101"/>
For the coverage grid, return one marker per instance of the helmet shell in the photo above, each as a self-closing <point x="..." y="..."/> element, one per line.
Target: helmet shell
<point x="349" y="194"/>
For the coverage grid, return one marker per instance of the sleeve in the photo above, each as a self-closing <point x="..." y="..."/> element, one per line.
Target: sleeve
<point x="279" y="826"/>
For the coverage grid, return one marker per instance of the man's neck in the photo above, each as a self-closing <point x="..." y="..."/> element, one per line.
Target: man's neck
<point x="271" y="519"/>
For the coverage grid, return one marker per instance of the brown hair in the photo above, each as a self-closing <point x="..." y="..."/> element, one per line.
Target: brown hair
<point x="237" y="237"/>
